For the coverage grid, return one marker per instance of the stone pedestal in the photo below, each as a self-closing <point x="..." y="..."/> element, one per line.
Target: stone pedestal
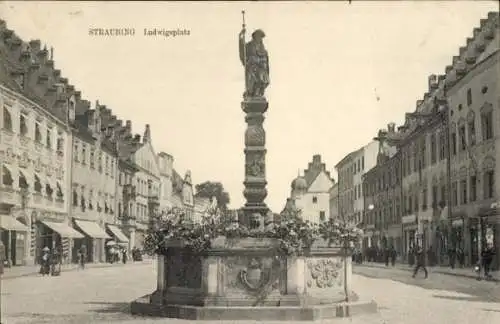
<point x="249" y="279"/>
<point x="255" y="191"/>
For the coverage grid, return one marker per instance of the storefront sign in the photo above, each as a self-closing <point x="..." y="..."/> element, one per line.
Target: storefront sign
<point x="457" y="222"/>
<point x="409" y="219"/>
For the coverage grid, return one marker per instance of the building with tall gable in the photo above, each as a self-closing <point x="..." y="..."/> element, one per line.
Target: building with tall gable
<point x="35" y="151"/>
<point x="310" y="193"/>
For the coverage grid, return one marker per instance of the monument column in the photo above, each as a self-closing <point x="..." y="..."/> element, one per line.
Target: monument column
<point x="255" y="182"/>
<point x="254" y="57"/>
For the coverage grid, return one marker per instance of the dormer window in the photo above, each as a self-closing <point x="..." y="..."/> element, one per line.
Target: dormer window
<point x="315" y="200"/>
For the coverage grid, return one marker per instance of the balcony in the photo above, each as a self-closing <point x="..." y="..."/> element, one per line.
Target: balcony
<point x="129" y="192"/>
<point x="153" y="200"/>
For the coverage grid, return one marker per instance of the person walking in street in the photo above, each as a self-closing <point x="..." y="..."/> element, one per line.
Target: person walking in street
<point x="452" y="254"/>
<point x="124" y="256"/>
<point x="487" y="258"/>
<point x="82" y="256"/>
<point x="45" y="262"/>
<point x="420" y="259"/>
<point x="394" y="255"/>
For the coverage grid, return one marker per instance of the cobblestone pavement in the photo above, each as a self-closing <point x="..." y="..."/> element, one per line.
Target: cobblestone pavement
<point x="487" y="291"/>
<point x="102" y="295"/>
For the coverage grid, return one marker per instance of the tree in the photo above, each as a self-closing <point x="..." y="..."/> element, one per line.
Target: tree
<point x="209" y="189"/>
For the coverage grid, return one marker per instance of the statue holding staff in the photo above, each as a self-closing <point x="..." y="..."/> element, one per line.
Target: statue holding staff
<point x="254" y="57"/>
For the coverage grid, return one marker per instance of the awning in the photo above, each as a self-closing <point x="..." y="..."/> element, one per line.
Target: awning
<point x="117" y="233"/>
<point x="63" y="229"/>
<point x="92" y="229"/>
<point x="9" y="223"/>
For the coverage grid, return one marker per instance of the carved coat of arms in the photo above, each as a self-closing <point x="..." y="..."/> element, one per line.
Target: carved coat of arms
<point x="256" y="276"/>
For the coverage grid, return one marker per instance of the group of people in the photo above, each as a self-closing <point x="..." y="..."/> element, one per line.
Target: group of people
<point x="50" y="262"/>
<point x="386" y="255"/>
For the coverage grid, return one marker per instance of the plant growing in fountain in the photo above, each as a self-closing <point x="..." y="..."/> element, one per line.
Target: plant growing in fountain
<point x="295" y="234"/>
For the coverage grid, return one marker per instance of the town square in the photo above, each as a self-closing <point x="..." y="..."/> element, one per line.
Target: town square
<point x="337" y="168"/>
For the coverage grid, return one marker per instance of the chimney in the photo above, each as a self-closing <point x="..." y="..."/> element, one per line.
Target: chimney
<point x="147" y="134"/>
<point x="35" y="45"/>
<point x="316" y="159"/>
<point x="391" y="127"/>
<point x="128" y="126"/>
<point x="419" y="102"/>
<point x="432" y="82"/>
<point x="137" y="138"/>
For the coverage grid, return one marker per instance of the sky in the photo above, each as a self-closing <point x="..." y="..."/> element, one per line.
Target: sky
<point x="339" y="72"/>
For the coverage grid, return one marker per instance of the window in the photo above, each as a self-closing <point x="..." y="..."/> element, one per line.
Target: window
<point x="354" y="168"/>
<point x="444" y="198"/>
<point x="435" y="202"/>
<point x="433" y="149"/>
<point x="487" y="125"/>
<point x="469" y="97"/>
<point x="315" y="199"/>
<point x="424" y="199"/>
<point x="461" y="135"/>
<point x="23" y="127"/>
<point x="60" y="142"/>
<point x="423" y="152"/>
<point x="48" y="138"/>
<point x="75" y="198"/>
<point x="453" y="143"/>
<point x="7" y="119"/>
<point x="415" y="157"/>
<point x="463" y="191"/>
<point x="75" y="152"/>
<point x="362" y="163"/>
<point x="454" y="193"/>
<point x="472" y="132"/>
<point x="99" y="161"/>
<point x="322" y="216"/>
<point x="92" y="158"/>
<point x="442" y="144"/>
<point x="112" y="166"/>
<point x="84" y="154"/>
<point x="416" y="202"/>
<point x="38" y="133"/>
<point x="489" y="184"/>
<point x="359" y="165"/>
<point x="473" y="188"/>
<point x="356" y="192"/>
<point x="6" y="177"/>
<point x="106" y="166"/>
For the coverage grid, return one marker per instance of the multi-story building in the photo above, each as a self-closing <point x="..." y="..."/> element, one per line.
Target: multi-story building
<point x="34" y="151"/>
<point x="125" y="196"/>
<point x="166" y="165"/>
<point x="382" y="196"/>
<point x="423" y="145"/>
<point x="311" y="193"/>
<point x="94" y="181"/>
<point x="473" y="96"/>
<point x="350" y="171"/>
<point x="334" y="201"/>
<point x="182" y="193"/>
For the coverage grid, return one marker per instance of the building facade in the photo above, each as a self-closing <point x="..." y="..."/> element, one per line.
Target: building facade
<point x="34" y="151"/>
<point x="94" y="178"/>
<point x="166" y="165"/>
<point x="350" y="172"/>
<point x="473" y="98"/>
<point x="382" y="196"/>
<point x="310" y="194"/>
<point x="334" y="201"/>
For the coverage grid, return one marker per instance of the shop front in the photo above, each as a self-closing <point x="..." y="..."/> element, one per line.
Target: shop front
<point x="490" y="231"/>
<point x="56" y="236"/>
<point x="410" y="228"/>
<point x="394" y="234"/>
<point x="118" y="238"/>
<point x="94" y="240"/>
<point x="13" y="236"/>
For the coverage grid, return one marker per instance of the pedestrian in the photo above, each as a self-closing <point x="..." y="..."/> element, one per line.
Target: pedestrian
<point x="452" y="254"/>
<point x="124" y="256"/>
<point x="394" y="255"/>
<point x="420" y="258"/>
<point x="386" y="256"/>
<point x="82" y="254"/>
<point x="487" y="258"/>
<point x="45" y="262"/>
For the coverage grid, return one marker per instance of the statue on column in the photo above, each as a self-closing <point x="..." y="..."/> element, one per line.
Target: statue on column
<point x="254" y="57"/>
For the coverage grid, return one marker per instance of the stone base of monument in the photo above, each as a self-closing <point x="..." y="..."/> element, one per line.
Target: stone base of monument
<point x="247" y="278"/>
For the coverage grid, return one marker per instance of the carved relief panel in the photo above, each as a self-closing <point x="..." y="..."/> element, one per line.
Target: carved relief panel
<point x="255" y="164"/>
